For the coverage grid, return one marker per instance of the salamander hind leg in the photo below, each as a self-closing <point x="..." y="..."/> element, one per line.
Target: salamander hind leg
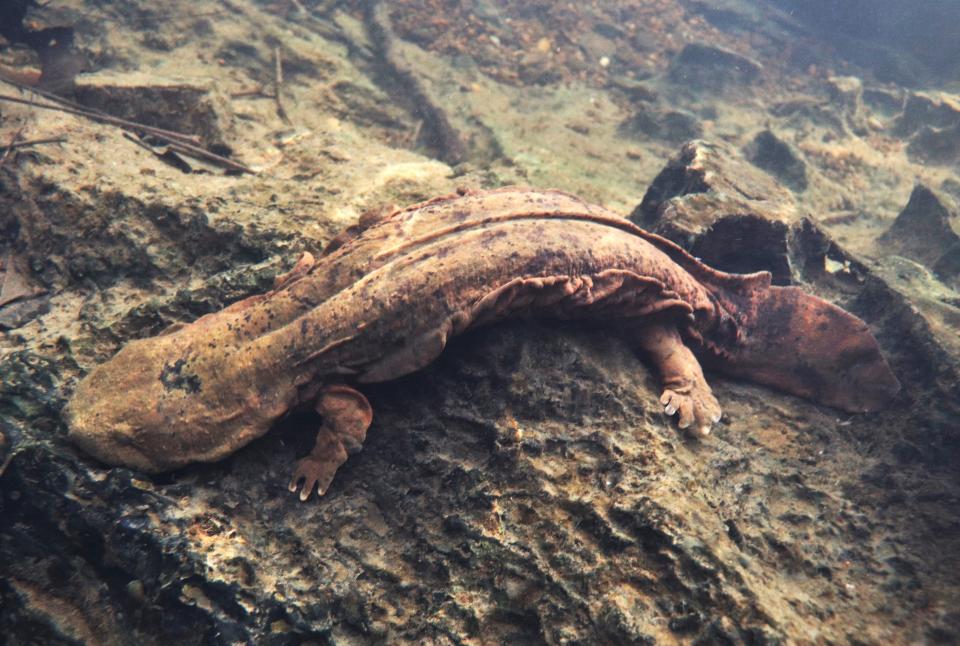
<point x="346" y="417"/>
<point x="685" y="389"/>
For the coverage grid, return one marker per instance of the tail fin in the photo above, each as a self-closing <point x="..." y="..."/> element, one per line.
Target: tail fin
<point x="806" y="346"/>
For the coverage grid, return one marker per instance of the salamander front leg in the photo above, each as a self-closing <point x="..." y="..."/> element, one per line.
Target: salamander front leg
<point x="346" y="417"/>
<point x="685" y="390"/>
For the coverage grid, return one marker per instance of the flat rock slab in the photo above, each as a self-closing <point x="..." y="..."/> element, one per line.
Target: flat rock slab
<point x="184" y="106"/>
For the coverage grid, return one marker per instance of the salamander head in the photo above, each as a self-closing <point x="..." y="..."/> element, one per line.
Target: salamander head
<point x="113" y="414"/>
<point x="151" y="408"/>
<point x="808" y="347"/>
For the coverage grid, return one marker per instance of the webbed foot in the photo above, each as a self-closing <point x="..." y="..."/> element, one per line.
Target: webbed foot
<point x="694" y="404"/>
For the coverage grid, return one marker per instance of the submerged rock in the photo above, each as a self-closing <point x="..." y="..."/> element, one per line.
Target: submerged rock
<point x="931" y="123"/>
<point x="14" y="315"/>
<point x="931" y="109"/>
<point x="885" y="101"/>
<point x="709" y="199"/>
<point x="673" y="126"/>
<point x="517" y="467"/>
<point x="703" y="66"/>
<point x="923" y="231"/>
<point x="947" y="266"/>
<point x="846" y="93"/>
<point x="777" y="157"/>
<point x="935" y="145"/>
<point x="187" y="107"/>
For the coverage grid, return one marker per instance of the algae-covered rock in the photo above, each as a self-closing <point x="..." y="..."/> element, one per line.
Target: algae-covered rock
<point x="923" y="229"/>
<point x="710" y="199"/>
<point x="846" y="92"/>
<point x="669" y="125"/>
<point x="777" y="157"/>
<point x="184" y="106"/>
<point x="706" y="66"/>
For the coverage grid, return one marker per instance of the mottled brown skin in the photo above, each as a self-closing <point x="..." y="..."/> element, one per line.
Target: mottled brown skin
<point x="386" y="295"/>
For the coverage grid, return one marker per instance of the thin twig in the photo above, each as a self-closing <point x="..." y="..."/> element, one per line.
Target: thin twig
<point x="258" y="92"/>
<point x="136" y="140"/>
<point x="105" y="118"/>
<point x="36" y="142"/>
<point x="50" y="96"/>
<point x="167" y="157"/>
<point x="203" y="153"/>
<point x="278" y="83"/>
<point x="182" y="141"/>
<point x="187" y="149"/>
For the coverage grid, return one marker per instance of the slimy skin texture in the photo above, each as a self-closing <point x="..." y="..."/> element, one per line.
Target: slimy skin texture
<point x="386" y="296"/>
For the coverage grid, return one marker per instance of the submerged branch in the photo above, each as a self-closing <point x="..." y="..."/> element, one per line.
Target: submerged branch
<point x="188" y="143"/>
<point x="437" y="132"/>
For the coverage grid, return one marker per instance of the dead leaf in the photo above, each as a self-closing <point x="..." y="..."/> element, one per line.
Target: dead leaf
<point x="15" y="285"/>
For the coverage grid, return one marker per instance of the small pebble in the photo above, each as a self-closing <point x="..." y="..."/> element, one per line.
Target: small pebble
<point x="135" y="589"/>
<point x="604" y="61"/>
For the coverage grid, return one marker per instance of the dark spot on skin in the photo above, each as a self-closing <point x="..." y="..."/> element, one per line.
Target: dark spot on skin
<point x="494" y="235"/>
<point x="304" y="328"/>
<point x="856" y="356"/>
<point x="303" y="301"/>
<point x="813" y="382"/>
<point x="174" y="377"/>
<point x="537" y="264"/>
